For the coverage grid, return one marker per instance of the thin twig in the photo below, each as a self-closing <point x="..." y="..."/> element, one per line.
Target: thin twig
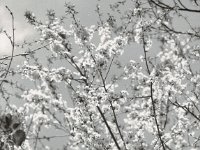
<point x="109" y="68"/>
<point x="117" y="124"/>
<point x="26" y="53"/>
<point x="151" y="94"/>
<point x="12" y="41"/>
<point x="108" y="127"/>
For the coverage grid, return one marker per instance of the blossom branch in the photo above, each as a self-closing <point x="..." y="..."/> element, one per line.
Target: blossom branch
<point x="108" y="127"/>
<point x="152" y="99"/>
<point x="12" y="41"/>
<point x="112" y="107"/>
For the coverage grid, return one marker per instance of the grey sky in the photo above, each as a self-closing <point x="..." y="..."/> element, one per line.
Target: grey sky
<point x="39" y="8"/>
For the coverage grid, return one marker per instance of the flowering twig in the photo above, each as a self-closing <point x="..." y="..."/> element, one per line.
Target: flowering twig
<point x="152" y="99"/>
<point x="108" y="127"/>
<point x="26" y="53"/>
<point x="12" y="41"/>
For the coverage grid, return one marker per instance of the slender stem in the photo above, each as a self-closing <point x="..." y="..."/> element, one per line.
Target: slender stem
<point x="12" y="41"/>
<point x="155" y="118"/>
<point x="117" y="124"/>
<point x="24" y="54"/>
<point x="165" y="6"/>
<point x="186" y="109"/>
<point x="151" y="94"/>
<point x="108" y="127"/>
<point x="109" y="68"/>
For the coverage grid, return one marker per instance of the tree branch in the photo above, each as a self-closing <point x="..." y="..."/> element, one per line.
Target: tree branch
<point x="12" y="41"/>
<point x="152" y="99"/>
<point x="108" y="127"/>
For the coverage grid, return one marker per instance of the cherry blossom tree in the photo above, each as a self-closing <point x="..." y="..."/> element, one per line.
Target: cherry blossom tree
<point x="81" y="89"/>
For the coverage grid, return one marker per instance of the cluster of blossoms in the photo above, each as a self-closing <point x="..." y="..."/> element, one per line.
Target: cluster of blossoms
<point x="81" y="121"/>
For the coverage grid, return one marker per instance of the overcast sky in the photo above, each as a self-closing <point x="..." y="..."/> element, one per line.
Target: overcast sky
<point x="39" y="8"/>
